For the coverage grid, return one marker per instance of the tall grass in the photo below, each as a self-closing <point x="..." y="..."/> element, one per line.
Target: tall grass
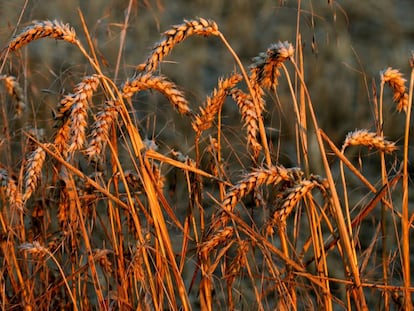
<point x="91" y="214"/>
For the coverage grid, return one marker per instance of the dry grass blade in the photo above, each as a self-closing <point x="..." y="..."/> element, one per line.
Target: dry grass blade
<point x="177" y="34"/>
<point x="33" y="171"/>
<point x="368" y="139"/>
<point x="16" y="92"/>
<point x="394" y="78"/>
<point x="146" y="81"/>
<point x="204" y="120"/>
<point x="41" y="29"/>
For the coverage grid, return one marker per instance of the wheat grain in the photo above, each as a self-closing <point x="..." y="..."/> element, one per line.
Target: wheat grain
<point x="204" y="120"/>
<point x="174" y="36"/>
<point x="41" y="29"/>
<point x="146" y="81"/>
<point x="249" y="116"/>
<point x="16" y="92"/>
<point x="100" y="130"/>
<point x="368" y="139"/>
<point x="394" y="78"/>
<point x="33" y="171"/>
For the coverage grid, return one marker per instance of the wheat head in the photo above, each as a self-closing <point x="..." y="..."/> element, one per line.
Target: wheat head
<point x="175" y="35"/>
<point x="394" y="78"/>
<point x="13" y="194"/>
<point x="100" y="130"/>
<point x="261" y="176"/>
<point x="370" y="140"/>
<point x="41" y="29"/>
<point x="204" y="120"/>
<point x="72" y="111"/>
<point x="249" y="116"/>
<point x="33" y="171"/>
<point x="16" y="92"/>
<point x="265" y="67"/>
<point x="146" y="81"/>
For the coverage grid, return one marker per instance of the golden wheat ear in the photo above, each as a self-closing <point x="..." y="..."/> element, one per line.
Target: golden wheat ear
<point x="145" y="81"/>
<point x="175" y="35"/>
<point x="16" y="92"/>
<point x="394" y="78"/>
<point x="265" y="67"/>
<point x="370" y="140"/>
<point x="33" y="171"/>
<point x="43" y="29"/>
<point x="204" y="120"/>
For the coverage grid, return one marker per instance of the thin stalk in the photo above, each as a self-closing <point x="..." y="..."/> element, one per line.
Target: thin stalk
<point x="405" y="220"/>
<point x="343" y="232"/>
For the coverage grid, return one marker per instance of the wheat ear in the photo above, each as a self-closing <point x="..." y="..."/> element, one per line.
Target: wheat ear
<point x="41" y="29"/>
<point x="13" y="194"/>
<point x="175" y="35"/>
<point x="100" y="130"/>
<point x="73" y="112"/>
<point x="204" y="120"/>
<point x="33" y="171"/>
<point x="292" y="196"/>
<point x="16" y="92"/>
<point x="265" y="67"/>
<point x="219" y="237"/>
<point x="368" y="139"/>
<point x="249" y="116"/>
<point x="394" y="78"/>
<point x="262" y="176"/>
<point x="146" y="81"/>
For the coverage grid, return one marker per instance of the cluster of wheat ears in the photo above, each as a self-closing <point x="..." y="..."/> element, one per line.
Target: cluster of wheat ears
<point x="81" y="229"/>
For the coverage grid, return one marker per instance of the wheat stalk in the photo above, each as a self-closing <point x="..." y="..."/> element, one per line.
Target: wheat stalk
<point x="249" y="116"/>
<point x="174" y="36"/>
<point x="146" y="81"/>
<point x="33" y="172"/>
<point x="16" y="92"/>
<point x="394" y="78"/>
<point x="204" y="120"/>
<point x="370" y="140"/>
<point x="41" y="29"/>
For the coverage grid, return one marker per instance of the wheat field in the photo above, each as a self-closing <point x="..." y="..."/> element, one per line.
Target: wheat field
<point x="189" y="174"/>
